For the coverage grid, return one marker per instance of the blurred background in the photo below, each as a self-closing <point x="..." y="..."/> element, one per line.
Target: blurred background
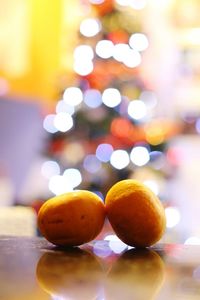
<point x="92" y="92"/>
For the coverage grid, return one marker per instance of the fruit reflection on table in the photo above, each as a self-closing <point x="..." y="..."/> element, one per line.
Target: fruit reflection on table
<point x="80" y="274"/>
<point x="73" y="273"/>
<point x="136" y="274"/>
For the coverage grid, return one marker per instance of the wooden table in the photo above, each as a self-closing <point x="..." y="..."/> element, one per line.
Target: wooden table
<point x="35" y="269"/>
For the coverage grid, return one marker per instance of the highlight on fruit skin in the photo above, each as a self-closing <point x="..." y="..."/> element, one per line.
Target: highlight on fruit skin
<point x="72" y="219"/>
<point x="135" y="213"/>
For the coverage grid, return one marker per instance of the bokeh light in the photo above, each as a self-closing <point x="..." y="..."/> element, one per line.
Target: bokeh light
<point x="96" y="1"/>
<point x="153" y="185"/>
<point x="102" y="249"/>
<point x="173" y="216"/>
<point x="59" y="185"/>
<point x="149" y="98"/>
<point x="62" y="106"/>
<point x="154" y="134"/>
<point x="91" y="163"/>
<point x="90" y="27"/>
<point x="48" y="123"/>
<point x="115" y="244"/>
<point x="83" y="67"/>
<point x="73" y="176"/>
<point x="137" y="4"/>
<point x="119" y="159"/>
<point x="193" y="240"/>
<point x="175" y="155"/>
<point x="83" y="52"/>
<point x="63" y="122"/>
<point x="138" y="41"/>
<point x="157" y="159"/>
<point x="50" y="168"/>
<point x="122" y="2"/>
<point x="92" y="98"/>
<point x="83" y="55"/>
<point x="73" y="153"/>
<point x="137" y="109"/>
<point x="73" y="96"/>
<point x="132" y="59"/>
<point x="111" y="97"/>
<point x="104" y="49"/>
<point x="103" y="152"/>
<point x="121" y="127"/>
<point x="139" y="156"/>
<point x="120" y="52"/>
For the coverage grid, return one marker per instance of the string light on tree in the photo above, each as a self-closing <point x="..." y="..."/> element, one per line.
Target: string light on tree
<point x="111" y="97"/>
<point x="92" y="98"/>
<point x="59" y="185"/>
<point x="83" y="52"/>
<point x="91" y="163"/>
<point x="137" y="109"/>
<point x="73" y="96"/>
<point x="48" y="123"/>
<point x="83" y="67"/>
<point x="104" y="152"/>
<point x="138" y="41"/>
<point x="62" y="106"/>
<point x="83" y="56"/>
<point x="90" y="27"/>
<point x="50" y="168"/>
<point x="120" y="52"/>
<point x="105" y="49"/>
<point x="119" y="159"/>
<point x="139" y="156"/>
<point x="73" y="177"/>
<point x="132" y="59"/>
<point x="63" y="122"/>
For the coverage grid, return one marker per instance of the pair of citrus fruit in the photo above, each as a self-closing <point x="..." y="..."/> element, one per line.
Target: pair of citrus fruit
<point x="134" y="211"/>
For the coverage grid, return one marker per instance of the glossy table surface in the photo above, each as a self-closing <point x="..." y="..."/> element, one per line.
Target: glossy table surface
<point x="32" y="268"/>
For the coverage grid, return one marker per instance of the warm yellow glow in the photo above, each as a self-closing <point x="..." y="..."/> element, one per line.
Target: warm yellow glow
<point x="71" y="18"/>
<point x="154" y="134"/>
<point x="37" y="39"/>
<point x="189" y="37"/>
<point x="14" y="37"/>
<point x="164" y="4"/>
<point x="45" y="46"/>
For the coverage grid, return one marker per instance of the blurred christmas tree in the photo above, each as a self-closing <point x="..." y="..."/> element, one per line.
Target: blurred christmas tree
<point x="105" y="128"/>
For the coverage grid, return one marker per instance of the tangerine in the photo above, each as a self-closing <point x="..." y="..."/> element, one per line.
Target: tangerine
<point x="135" y="213"/>
<point x="72" y="219"/>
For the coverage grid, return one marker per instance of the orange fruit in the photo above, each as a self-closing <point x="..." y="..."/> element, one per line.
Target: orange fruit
<point x="72" y="219"/>
<point x="135" y="213"/>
